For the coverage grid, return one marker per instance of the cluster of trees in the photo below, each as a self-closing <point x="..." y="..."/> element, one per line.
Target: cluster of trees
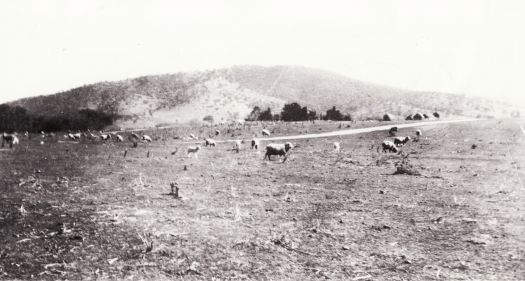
<point x="16" y="118"/>
<point x="295" y="112"/>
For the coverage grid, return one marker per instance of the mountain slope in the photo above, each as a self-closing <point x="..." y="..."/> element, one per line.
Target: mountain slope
<point x="231" y="94"/>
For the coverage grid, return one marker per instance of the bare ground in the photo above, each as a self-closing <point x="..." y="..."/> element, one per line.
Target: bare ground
<point x="319" y="215"/>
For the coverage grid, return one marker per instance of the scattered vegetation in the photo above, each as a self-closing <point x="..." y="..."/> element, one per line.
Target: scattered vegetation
<point x="16" y="118"/>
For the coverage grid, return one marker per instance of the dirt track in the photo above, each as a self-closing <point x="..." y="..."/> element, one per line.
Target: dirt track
<point x="368" y="130"/>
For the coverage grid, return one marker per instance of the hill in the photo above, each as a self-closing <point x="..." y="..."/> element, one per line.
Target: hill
<point x="231" y="93"/>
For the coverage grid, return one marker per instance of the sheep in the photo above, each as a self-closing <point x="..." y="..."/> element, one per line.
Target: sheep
<point x="217" y="132"/>
<point x="392" y="132"/>
<point x="237" y="145"/>
<point x="277" y="149"/>
<point x="105" y="137"/>
<point x="146" y="138"/>
<point x="400" y="141"/>
<point x="266" y="132"/>
<point x="74" y="136"/>
<point x="418" y="135"/>
<point x="135" y="136"/>
<point x="193" y="150"/>
<point x="119" y="138"/>
<point x="209" y="142"/>
<point x="255" y="144"/>
<point x="337" y="146"/>
<point x="11" y="139"/>
<point x="389" y="146"/>
<point x="193" y="137"/>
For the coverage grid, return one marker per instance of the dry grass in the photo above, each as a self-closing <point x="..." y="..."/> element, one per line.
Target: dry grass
<point x="319" y="215"/>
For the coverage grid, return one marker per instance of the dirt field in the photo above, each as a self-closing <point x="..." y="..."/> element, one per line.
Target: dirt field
<point x="90" y="213"/>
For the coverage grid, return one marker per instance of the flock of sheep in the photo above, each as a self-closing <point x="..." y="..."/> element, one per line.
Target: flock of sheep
<point x="392" y="146"/>
<point x="272" y="149"/>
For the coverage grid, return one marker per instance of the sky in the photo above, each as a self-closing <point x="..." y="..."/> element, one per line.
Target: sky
<point x="457" y="46"/>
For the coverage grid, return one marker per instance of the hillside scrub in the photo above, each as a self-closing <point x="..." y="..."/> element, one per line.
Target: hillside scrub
<point x="16" y="118"/>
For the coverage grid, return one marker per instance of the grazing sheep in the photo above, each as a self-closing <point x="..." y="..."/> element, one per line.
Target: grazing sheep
<point x="76" y="136"/>
<point x="400" y="141"/>
<point x="237" y="145"/>
<point x="209" y="142"/>
<point x="392" y="132"/>
<point x="279" y="149"/>
<point x="255" y="144"/>
<point x="135" y="136"/>
<point x="146" y="138"/>
<point x="105" y="137"/>
<point x="418" y="135"/>
<point x="389" y="146"/>
<point x="266" y="132"/>
<point x="217" y="132"/>
<point x="337" y="146"/>
<point x="193" y="150"/>
<point x="193" y="137"/>
<point x="11" y="139"/>
<point x="119" y="138"/>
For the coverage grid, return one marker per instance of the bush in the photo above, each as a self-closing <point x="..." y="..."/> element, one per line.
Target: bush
<point x="18" y="119"/>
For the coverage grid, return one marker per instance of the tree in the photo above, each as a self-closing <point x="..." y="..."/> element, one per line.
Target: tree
<point x="312" y="115"/>
<point x="266" y="115"/>
<point x="333" y="114"/>
<point x="208" y="118"/>
<point x="254" y="115"/>
<point x="294" y="112"/>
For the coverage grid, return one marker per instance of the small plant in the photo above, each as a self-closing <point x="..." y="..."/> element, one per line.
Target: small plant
<point x="146" y="241"/>
<point x="174" y="190"/>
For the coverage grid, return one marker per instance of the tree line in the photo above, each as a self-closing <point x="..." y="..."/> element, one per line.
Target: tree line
<point x="16" y="118"/>
<point x="295" y="112"/>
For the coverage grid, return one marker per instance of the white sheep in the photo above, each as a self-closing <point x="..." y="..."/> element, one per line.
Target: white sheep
<point x="389" y="146"/>
<point x="105" y="137"/>
<point x="209" y="142"/>
<point x="217" y="132"/>
<point x="146" y="138"/>
<point x="337" y="146"/>
<point x="11" y="139"/>
<point x="193" y="150"/>
<point x="266" y="132"/>
<point x="255" y="144"/>
<point x="119" y="138"/>
<point x="280" y="149"/>
<point x="400" y="141"/>
<point x="418" y="135"/>
<point x="237" y="145"/>
<point x="193" y="137"/>
<point x="74" y="136"/>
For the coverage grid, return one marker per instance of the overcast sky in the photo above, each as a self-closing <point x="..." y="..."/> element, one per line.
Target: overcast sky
<point x="466" y="47"/>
